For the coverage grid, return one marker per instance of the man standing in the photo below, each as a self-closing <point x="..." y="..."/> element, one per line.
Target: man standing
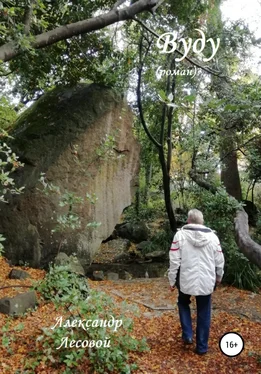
<point x="196" y="266"/>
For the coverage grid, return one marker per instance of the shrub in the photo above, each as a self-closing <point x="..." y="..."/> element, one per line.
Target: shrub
<point x="8" y="163"/>
<point x="219" y="213"/>
<point x="153" y="210"/>
<point x="63" y="286"/>
<point x="82" y="304"/>
<point x="163" y="238"/>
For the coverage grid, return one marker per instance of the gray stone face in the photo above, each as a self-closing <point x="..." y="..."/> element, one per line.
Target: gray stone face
<point x="18" y="304"/>
<point x="18" y="274"/>
<point x="64" y="135"/>
<point x="112" y="276"/>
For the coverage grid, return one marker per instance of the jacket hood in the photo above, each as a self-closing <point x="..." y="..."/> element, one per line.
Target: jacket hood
<point x="197" y="235"/>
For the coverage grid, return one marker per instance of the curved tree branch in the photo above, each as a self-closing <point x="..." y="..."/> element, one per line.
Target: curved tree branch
<point x="142" y="119"/>
<point x="4" y="287"/>
<point x="10" y="50"/>
<point x="201" y="182"/>
<point x="251" y="249"/>
<point x="248" y="247"/>
<point x="6" y="74"/>
<point x="238" y="148"/>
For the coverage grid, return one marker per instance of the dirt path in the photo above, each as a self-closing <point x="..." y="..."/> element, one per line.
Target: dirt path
<point x="233" y="310"/>
<point x="154" y="294"/>
<point x="158" y="321"/>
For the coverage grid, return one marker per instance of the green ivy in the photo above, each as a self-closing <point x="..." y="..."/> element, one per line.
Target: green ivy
<point x="72" y="292"/>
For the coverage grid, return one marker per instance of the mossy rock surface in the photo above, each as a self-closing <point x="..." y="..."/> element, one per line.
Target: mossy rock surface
<point x="60" y="135"/>
<point x="57" y="119"/>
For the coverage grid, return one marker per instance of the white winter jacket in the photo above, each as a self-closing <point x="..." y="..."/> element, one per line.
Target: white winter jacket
<point x="197" y="252"/>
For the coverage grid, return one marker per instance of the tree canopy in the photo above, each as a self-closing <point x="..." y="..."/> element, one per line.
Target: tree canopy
<point x="182" y="68"/>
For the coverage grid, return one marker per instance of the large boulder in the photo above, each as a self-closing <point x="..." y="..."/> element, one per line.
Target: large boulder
<point x="112" y="276"/>
<point x="18" y="304"/>
<point x="18" y="274"/>
<point x="81" y="138"/>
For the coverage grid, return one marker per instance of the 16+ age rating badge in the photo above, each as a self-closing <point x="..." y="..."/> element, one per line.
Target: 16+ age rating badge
<point x="231" y="344"/>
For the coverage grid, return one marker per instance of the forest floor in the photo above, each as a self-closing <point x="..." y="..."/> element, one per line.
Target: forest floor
<point x="234" y="310"/>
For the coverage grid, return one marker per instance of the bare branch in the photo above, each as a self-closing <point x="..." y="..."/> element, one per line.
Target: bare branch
<point x="172" y="88"/>
<point x="9" y="50"/>
<point x="6" y="74"/>
<point x="143" y="122"/>
<point x="4" y="287"/>
<point x="239" y="148"/>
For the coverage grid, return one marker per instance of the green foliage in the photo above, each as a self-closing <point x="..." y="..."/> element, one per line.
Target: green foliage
<point x="150" y="211"/>
<point x="107" y="145"/>
<point x="72" y="292"/>
<point x="62" y="285"/>
<point x="159" y="241"/>
<point x="8" y="163"/>
<point x="8" y="337"/>
<point x="68" y="200"/>
<point x="219" y="211"/>
<point x="93" y="57"/>
<point x="7" y="113"/>
<point x="254" y="160"/>
<point x="162" y="239"/>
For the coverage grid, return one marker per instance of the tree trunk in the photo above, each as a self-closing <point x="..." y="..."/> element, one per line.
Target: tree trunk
<point x="148" y="173"/>
<point x="229" y="168"/>
<point x="166" y="188"/>
<point x="137" y="202"/>
<point x="251" y="249"/>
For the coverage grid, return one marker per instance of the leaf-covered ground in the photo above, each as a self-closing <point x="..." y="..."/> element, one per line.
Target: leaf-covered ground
<point x="233" y="310"/>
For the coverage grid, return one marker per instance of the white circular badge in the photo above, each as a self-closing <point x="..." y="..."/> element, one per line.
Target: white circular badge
<point x="231" y="344"/>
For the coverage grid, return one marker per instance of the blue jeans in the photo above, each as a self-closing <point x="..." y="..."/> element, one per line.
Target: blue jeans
<point x="203" y="319"/>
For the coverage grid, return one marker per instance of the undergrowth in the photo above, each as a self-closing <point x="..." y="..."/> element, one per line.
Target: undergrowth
<point x="92" y="328"/>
